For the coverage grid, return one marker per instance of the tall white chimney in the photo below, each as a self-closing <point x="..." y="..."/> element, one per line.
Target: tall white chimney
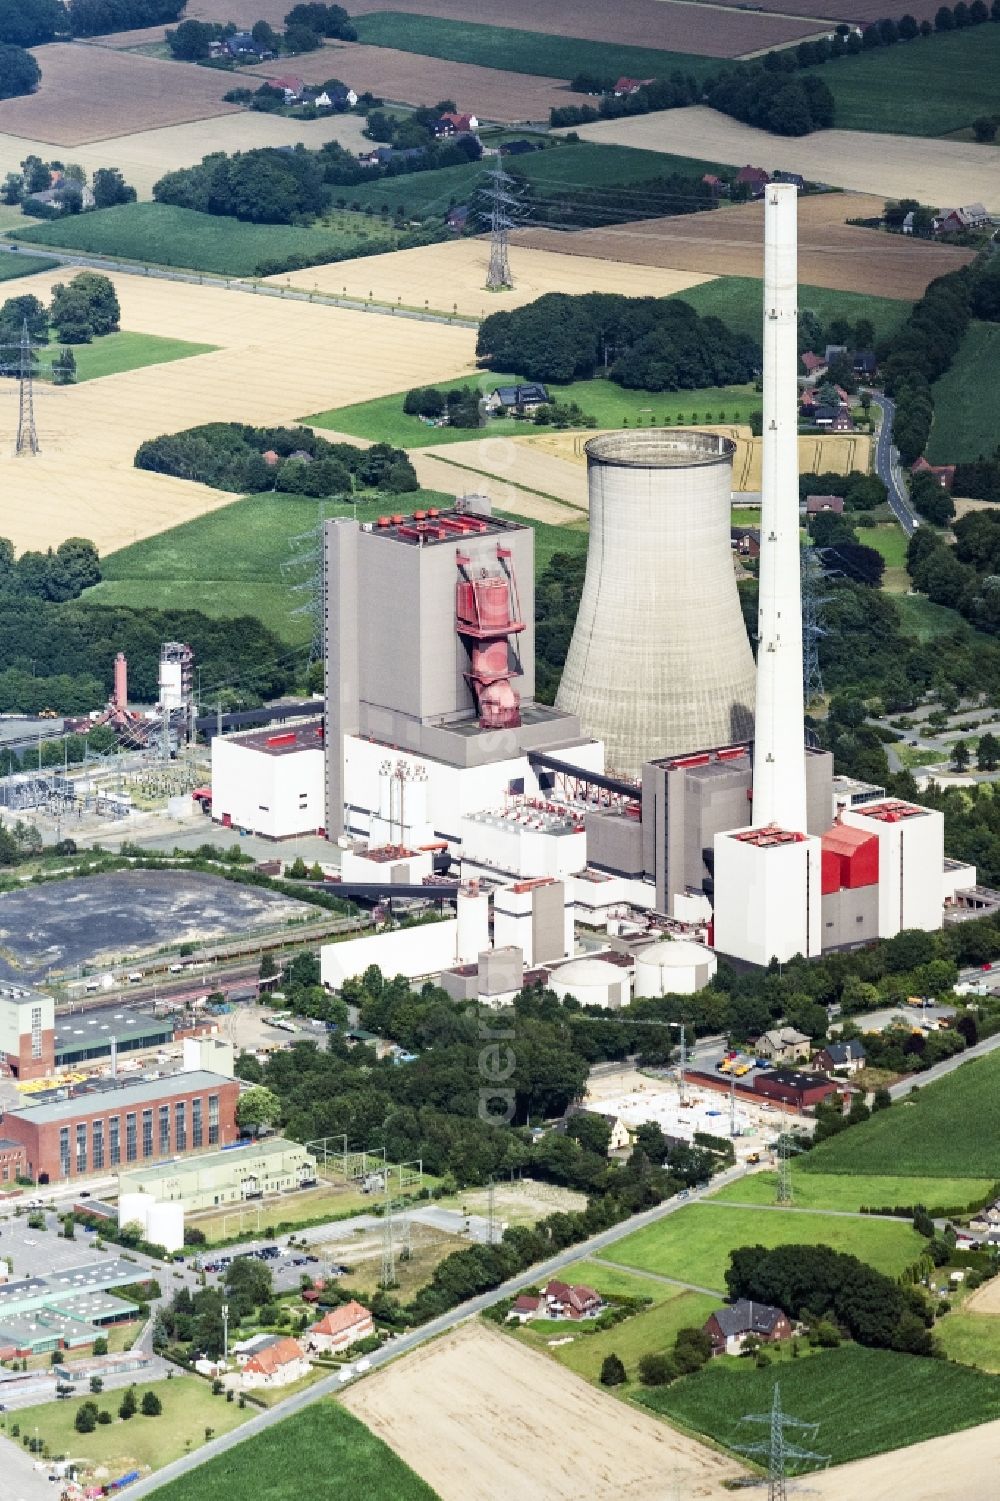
<point x="779" y="774"/>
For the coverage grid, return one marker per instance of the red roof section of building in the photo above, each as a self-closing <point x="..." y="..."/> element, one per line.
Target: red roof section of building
<point x="850" y="859"/>
<point x="271" y="1359"/>
<point x="338" y="1320"/>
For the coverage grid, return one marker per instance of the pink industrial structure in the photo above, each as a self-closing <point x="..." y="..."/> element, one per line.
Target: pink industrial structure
<point x="487" y="614"/>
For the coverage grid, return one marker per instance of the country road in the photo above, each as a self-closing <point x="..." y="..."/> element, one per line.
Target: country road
<point x="888" y="470"/>
<point x="237" y="284"/>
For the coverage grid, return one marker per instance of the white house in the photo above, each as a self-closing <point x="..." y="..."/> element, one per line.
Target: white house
<point x="340" y="1328"/>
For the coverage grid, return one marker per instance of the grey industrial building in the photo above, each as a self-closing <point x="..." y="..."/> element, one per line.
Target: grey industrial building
<point x="84" y="1035"/>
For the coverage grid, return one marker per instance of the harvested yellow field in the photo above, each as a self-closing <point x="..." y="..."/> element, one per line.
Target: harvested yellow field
<point x="959" y="1464"/>
<point x="83" y="483"/>
<point x="445" y="473"/>
<point x="450" y="278"/>
<point x="833" y="454"/>
<point x="932" y="171"/>
<point x="532" y="464"/>
<point x="144" y="156"/>
<point x="482" y="1418"/>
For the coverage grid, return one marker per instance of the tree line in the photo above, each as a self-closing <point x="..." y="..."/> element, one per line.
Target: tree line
<point x="306" y="28"/>
<point x="773" y="92"/>
<point x="248" y="460"/>
<point x="964" y="577"/>
<point x="32" y="23"/>
<point x="656" y="344"/>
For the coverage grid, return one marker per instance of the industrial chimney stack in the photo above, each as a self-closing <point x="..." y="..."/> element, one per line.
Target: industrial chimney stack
<point x="779" y="775"/>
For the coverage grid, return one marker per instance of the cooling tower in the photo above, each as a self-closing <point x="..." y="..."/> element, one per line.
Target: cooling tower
<point x="660" y="663"/>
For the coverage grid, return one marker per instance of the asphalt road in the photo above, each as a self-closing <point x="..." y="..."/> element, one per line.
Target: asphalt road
<point x="416" y="1337"/>
<point x="917" y="1081"/>
<point x="888" y="470"/>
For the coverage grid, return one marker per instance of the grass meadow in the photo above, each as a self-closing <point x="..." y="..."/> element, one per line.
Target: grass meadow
<point x="948" y="1129"/>
<point x="383" y="419"/>
<point x="115" y="353"/>
<point x="19" y="264"/>
<point x="228" y="562"/>
<point x="693" y="1245"/>
<point x="972" y="1339"/>
<point x="162" y="235"/>
<point x="965" y="422"/>
<point x="655" y="1329"/>
<point x="851" y="1191"/>
<point x="865" y="1401"/>
<point x="188" y="1409"/>
<point x="313" y="1453"/>
<point x="531" y="52"/>
<point x="928" y="87"/>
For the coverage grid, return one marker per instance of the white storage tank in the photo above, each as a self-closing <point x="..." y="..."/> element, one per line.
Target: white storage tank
<point x="594" y="982"/>
<point x="674" y="967"/>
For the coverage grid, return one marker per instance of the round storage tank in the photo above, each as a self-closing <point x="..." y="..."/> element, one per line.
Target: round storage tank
<point x="674" y="967"/>
<point x="660" y="661"/>
<point x="593" y="982"/>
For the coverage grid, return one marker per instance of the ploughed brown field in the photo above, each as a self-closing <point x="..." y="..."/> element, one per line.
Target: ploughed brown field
<point x="406" y="78"/>
<point x="858" y="11"/>
<point x="92" y="93"/>
<point x="728" y="242"/>
<point x="663" y="24"/>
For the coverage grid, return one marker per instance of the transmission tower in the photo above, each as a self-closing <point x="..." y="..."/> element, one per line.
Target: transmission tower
<point x="502" y="212"/>
<point x="777" y="1450"/>
<point x="307" y="558"/>
<point x="491" y="1213"/>
<point x="388" y="1278"/>
<point x="812" y="630"/>
<point x="27" y="433"/>
<point x="784" y="1191"/>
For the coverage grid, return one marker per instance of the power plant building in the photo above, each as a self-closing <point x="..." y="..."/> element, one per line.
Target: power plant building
<point x="660" y="662"/>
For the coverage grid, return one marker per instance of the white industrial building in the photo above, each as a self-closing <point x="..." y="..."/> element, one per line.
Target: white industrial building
<point x="535" y="916"/>
<point x="271" y="781"/>
<point x="594" y="982"/>
<point x="910" y="855"/>
<point x="417" y="953"/>
<point x="674" y="967"/>
<point x="769" y="889"/>
<point x="531" y="837"/>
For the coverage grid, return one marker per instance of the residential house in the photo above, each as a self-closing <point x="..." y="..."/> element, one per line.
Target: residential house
<point x="340" y="1328"/>
<point x="848" y="1057"/>
<point x="816" y="505"/>
<point x="835" y="419"/>
<point x="381" y="156"/>
<point x="833" y="352"/>
<point x="458" y="218"/>
<point x="716" y="184"/>
<point x="339" y="98"/>
<point x="864" y="363"/>
<point x="619" y="1140"/>
<point x="953" y="221"/>
<point x="276" y="1364"/>
<point x="525" y="1308"/>
<point x="626" y="86"/>
<point x="450" y="124"/>
<point x="795" y="178"/>
<point x="814" y="365"/>
<point x="783" y="1045"/>
<point x="242" y="45"/>
<point x="745" y="541"/>
<point x="508" y="399"/>
<point x="943" y="473"/>
<point x="755" y="178"/>
<point x="291" y="85"/>
<point x="730" y="1327"/>
<point x="565" y="1302"/>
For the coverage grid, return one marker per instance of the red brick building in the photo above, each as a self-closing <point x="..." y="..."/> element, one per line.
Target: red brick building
<point x="794" y="1088"/>
<point x="105" y="1129"/>
<point x="12" y="1163"/>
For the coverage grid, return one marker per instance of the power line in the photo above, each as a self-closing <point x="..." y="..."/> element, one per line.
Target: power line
<point x="503" y="200"/>
<point x="776" y="1449"/>
<point x="27" y="433"/>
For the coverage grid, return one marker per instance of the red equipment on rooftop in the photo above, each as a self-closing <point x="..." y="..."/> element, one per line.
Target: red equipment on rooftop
<point x="487" y="614"/>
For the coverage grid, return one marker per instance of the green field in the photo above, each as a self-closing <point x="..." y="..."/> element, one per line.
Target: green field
<point x="970" y="1338"/>
<point x="924" y="620"/>
<point x="161" y="235"/>
<point x="583" y="166"/>
<point x="318" y="1452"/>
<point x="851" y="1192"/>
<point x="115" y="353"/>
<point x="966" y="423"/>
<point x="948" y="1129"/>
<point x="865" y="1401"/>
<point x="228" y="562"/>
<point x="521" y="51"/>
<point x="889" y="540"/>
<point x="693" y="1245"/>
<point x="642" y="1334"/>
<point x="612" y="406"/>
<point x="13" y="266"/>
<point x="188" y="1408"/>
<point x="738" y="301"/>
<point x="926" y="87"/>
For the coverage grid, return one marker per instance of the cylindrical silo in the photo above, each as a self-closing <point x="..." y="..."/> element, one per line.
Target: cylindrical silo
<point x="660" y="662"/>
